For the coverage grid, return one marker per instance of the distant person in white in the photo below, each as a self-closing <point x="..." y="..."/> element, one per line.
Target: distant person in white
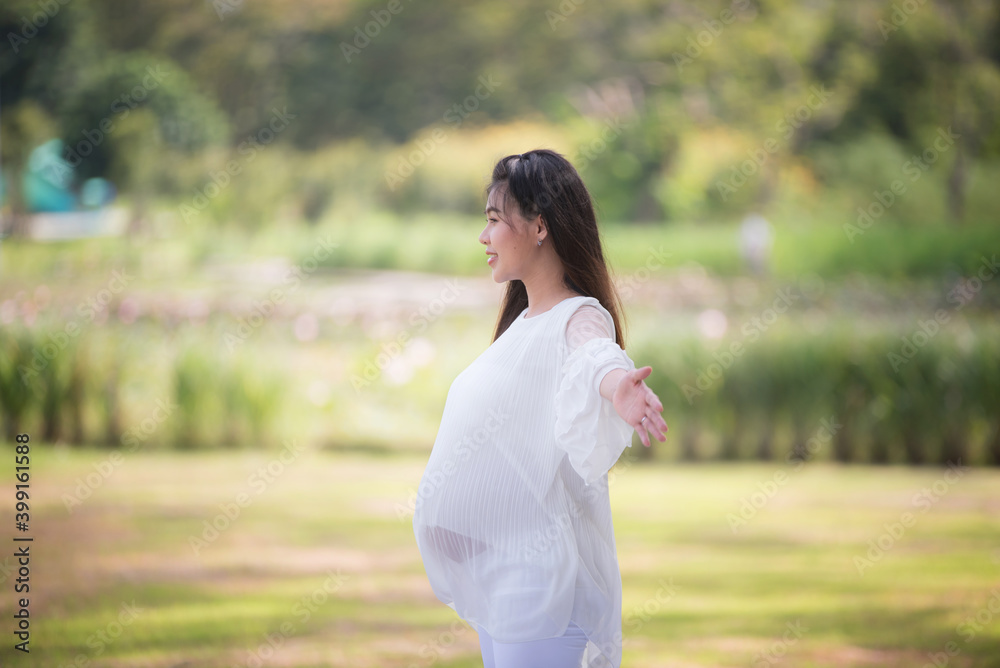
<point x="755" y="242"/>
<point x="513" y="517"/>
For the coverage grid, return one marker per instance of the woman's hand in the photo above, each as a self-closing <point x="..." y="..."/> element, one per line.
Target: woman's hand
<point x="633" y="401"/>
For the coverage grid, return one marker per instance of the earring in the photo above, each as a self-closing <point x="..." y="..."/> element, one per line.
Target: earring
<point x="539" y="242"/>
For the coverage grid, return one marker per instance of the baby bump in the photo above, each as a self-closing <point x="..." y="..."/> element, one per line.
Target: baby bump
<point x="451" y="544"/>
<point x="457" y="504"/>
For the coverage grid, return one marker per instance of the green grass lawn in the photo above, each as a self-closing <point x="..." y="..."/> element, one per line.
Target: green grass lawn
<point x="320" y="568"/>
<point x="448" y="243"/>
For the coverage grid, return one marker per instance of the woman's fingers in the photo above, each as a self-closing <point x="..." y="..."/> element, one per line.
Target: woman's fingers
<point x="642" y="435"/>
<point x="648" y="406"/>
<point x="656" y="426"/>
<point x="659" y="421"/>
<point x="653" y="409"/>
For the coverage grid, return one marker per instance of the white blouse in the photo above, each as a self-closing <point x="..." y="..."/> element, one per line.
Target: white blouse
<point x="512" y="517"/>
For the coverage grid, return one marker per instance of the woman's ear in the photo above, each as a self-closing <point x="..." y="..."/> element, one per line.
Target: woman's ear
<point x="542" y="227"/>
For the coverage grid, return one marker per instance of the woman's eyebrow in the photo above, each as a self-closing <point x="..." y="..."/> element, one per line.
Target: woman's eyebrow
<point x="491" y="208"/>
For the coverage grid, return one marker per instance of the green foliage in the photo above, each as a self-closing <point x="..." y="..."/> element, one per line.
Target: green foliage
<point x="657" y="106"/>
<point x="223" y="400"/>
<point x="19" y="389"/>
<point x="117" y="390"/>
<point x="885" y="391"/>
<point x="931" y="402"/>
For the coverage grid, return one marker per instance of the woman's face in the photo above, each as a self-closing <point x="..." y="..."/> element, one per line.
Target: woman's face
<point x="508" y="238"/>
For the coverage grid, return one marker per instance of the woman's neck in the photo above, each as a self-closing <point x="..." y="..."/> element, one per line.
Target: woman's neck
<point x="544" y="283"/>
<point x="542" y="304"/>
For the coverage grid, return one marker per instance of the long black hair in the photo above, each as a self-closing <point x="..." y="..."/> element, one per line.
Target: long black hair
<point x="544" y="182"/>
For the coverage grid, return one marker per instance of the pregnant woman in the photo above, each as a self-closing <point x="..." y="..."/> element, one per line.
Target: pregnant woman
<point x="513" y="518"/>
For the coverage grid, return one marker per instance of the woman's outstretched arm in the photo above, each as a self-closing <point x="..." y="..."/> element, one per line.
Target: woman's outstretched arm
<point x="633" y="400"/>
<point x="630" y="396"/>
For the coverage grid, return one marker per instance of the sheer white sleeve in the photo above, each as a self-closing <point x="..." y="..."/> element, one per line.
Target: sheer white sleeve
<point x="588" y="428"/>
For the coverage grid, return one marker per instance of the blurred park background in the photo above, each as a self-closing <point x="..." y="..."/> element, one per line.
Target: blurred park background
<point x="239" y="269"/>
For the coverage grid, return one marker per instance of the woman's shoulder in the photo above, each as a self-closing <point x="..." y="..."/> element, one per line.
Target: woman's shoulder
<point x="586" y="324"/>
<point x="587" y="318"/>
<point x="587" y="307"/>
<point x="576" y="301"/>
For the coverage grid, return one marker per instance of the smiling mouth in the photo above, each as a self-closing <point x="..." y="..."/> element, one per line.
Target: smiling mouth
<point x="491" y="259"/>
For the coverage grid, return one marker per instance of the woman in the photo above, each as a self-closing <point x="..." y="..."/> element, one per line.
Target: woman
<point x="512" y="518"/>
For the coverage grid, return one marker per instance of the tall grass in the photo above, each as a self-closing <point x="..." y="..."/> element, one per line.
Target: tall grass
<point x="114" y="387"/>
<point x="835" y="395"/>
<point x="941" y="405"/>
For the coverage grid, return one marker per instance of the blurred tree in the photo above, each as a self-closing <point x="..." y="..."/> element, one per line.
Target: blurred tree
<point x="935" y="69"/>
<point x="23" y="126"/>
<point x="358" y="70"/>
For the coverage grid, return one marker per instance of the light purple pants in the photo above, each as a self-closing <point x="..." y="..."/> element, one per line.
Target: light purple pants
<point x="565" y="651"/>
